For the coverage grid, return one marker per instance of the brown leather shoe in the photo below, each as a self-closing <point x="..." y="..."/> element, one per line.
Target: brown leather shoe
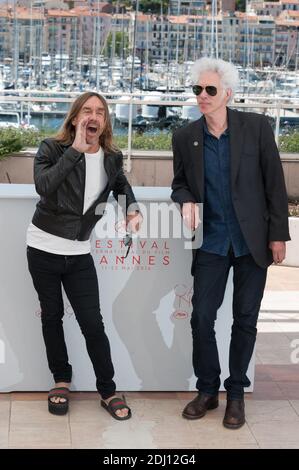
<point x="198" y="407"/>
<point x="234" y="416"/>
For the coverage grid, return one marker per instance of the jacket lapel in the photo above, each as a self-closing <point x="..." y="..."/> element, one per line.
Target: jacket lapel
<point x="195" y="144"/>
<point x="236" y="136"/>
<point x="109" y="165"/>
<point x="111" y="170"/>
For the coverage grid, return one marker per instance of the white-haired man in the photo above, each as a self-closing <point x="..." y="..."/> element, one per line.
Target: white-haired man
<point x="229" y="161"/>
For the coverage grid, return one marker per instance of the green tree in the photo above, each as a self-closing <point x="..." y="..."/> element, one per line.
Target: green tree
<point x="240" y="5"/>
<point x="290" y="143"/>
<point x="10" y="141"/>
<point x="145" y="6"/>
<point x="153" y="6"/>
<point x="121" y="42"/>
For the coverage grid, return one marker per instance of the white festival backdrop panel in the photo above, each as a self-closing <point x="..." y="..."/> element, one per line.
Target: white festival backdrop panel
<point x="145" y="302"/>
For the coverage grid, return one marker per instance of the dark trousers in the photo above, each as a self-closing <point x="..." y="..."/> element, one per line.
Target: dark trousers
<point x="78" y="276"/>
<point x="210" y="278"/>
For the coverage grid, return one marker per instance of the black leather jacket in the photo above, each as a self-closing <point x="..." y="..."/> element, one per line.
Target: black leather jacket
<point x="59" y="176"/>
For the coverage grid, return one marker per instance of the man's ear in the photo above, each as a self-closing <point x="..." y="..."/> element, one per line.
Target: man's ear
<point x="229" y="93"/>
<point x="74" y="121"/>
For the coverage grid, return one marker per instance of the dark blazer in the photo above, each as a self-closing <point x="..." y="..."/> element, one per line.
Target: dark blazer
<point x="257" y="182"/>
<point x="59" y="176"/>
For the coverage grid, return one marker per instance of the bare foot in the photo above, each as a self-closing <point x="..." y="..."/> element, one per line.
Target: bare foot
<point x="60" y="399"/>
<point x="121" y="413"/>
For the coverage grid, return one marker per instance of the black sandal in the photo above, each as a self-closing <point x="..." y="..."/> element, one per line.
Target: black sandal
<point x="60" y="408"/>
<point x="117" y="404"/>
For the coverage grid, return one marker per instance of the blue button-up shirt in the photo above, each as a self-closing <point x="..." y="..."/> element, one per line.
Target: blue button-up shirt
<point x="221" y="228"/>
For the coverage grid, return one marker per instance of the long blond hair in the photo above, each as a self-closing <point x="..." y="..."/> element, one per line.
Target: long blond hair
<point x="67" y="132"/>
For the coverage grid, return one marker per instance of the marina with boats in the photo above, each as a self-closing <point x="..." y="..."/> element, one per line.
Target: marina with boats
<point x="141" y="62"/>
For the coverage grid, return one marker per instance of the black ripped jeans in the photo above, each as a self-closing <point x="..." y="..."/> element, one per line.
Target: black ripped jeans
<point x="78" y="276"/>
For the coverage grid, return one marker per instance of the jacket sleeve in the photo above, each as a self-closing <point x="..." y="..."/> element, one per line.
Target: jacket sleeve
<point x="48" y="176"/>
<point x="275" y="189"/>
<point x="123" y="188"/>
<point x="180" y="190"/>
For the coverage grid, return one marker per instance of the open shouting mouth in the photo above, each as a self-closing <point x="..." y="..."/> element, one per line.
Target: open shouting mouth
<point x="92" y="129"/>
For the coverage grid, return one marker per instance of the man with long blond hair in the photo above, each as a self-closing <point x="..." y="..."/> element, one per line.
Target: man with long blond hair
<point x="74" y="173"/>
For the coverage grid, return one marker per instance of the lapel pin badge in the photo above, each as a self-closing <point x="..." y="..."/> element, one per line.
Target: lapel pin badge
<point x="195" y="143"/>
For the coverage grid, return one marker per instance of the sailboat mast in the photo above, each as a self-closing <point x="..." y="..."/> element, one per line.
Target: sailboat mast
<point x="98" y="46"/>
<point x="16" y="44"/>
<point x="178" y="33"/>
<point x="134" y="45"/>
<point x="214" y="32"/>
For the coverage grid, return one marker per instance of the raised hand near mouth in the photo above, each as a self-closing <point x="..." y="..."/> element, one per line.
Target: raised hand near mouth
<point x="80" y="142"/>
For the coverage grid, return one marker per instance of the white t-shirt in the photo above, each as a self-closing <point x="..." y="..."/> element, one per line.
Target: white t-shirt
<point x="95" y="182"/>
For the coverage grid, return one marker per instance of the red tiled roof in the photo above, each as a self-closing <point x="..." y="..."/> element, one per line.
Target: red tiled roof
<point x="61" y="13"/>
<point x="85" y="11"/>
<point x="4" y="14"/>
<point x="25" y="13"/>
<point x="287" y="23"/>
<point x="289" y="14"/>
<point x="182" y="19"/>
<point x="245" y="16"/>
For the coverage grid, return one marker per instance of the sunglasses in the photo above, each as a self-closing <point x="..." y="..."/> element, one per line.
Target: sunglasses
<point x="128" y="243"/>
<point x="210" y="89"/>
